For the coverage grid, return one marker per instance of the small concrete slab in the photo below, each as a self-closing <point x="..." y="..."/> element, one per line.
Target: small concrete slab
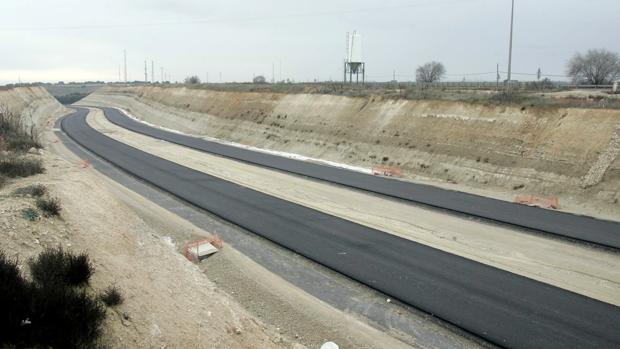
<point x="199" y="250"/>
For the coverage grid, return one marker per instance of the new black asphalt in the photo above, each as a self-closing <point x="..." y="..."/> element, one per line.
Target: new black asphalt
<point x="596" y="231"/>
<point x="504" y="308"/>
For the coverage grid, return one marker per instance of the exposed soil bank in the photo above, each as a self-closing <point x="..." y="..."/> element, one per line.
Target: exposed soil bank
<point x="566" y="152"/>
<point x="33" y="104"/>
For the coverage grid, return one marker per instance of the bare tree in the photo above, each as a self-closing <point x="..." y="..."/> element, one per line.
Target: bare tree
<point x="260" y="80"/>
<point x="430" y="72"/>
<point x="192" y="80"/>
<point x="596" y="67"/>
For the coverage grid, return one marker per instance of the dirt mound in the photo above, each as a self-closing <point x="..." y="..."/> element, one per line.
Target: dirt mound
<point x="566" y="152"/>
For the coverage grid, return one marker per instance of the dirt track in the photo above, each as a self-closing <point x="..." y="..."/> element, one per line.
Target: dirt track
<point x="584" y="270"/>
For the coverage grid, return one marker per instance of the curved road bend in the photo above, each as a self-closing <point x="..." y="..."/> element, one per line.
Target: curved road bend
<point x="504" y="308"/>
<point x="601" y="232"/>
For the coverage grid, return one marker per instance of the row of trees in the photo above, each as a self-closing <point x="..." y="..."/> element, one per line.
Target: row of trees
<point x="595" y="67"/>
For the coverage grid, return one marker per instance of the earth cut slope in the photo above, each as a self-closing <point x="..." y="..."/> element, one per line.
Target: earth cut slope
<point x="500" y="151"/>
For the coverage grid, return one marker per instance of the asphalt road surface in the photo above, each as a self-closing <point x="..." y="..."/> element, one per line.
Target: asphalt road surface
<point x="504" y="308"/>
<point x="596" y="231"/>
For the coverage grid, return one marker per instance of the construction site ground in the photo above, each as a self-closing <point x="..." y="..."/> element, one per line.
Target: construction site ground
<point x="573" y="266"/>
<point x="169" y="301"/>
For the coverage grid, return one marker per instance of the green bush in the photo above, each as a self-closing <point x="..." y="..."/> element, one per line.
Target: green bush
<point x="55" y="266"/>
<point x="18" y="166"/>
<point x="34" y="190"/>
<point x="52" y="313"/>
<point x="30" y="214"/>
<point x="64" y="317"/>
<point x="79" y="269"/>
<point x="15" y="293"/>
<point x="49" y="206"/>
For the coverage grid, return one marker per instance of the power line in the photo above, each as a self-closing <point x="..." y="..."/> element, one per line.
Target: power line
<point x="536" y="74"/>
<point x="413" y="75"/>
<point x="470" y="74"/>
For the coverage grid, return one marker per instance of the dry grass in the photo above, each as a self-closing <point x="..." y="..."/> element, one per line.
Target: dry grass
<point x="522" y="97"/>
<point x="14" y="134"/>
<point x="111" y="296"/>
<point x="49" y="206"/>
<point x="14" y="166"/>
<point x="33" y="190"/>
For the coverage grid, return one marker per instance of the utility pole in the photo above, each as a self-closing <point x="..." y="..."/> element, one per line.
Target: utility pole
<point x="146" y="77"/>
<point x="152" y="72"/>
<point x="119" y="73"/>
<point x="273" y="73"/>
<point x="512" y="16"/>
<point x="125" y="60"/>
<point x="162" y="74"/>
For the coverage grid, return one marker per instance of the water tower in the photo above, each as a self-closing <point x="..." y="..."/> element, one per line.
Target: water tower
<point x="353" y="64"/>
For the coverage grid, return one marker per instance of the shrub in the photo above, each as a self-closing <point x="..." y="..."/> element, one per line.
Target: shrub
<point x="79" y="269"/>
<point x="3" y="180"/>
<point x="49" y="267"/>
<point x="14" y="300"/>
<point x="46" y="314"/>
<point x="30" y="214"/>
<point x="50" y="206"/>
<point x="18" y="166"/>
<point x="54" y="266"/>
<point x="64" y="317"/>
<point x="259" y="80"/>
<point x="192" y="80"/>
<point x="111" y="296"/>
<point x="34" y="190"/>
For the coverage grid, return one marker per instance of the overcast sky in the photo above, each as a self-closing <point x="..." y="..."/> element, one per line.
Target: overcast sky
<point x="75" y="40"/>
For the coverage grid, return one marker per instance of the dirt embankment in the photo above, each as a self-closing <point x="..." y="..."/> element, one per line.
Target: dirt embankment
<point x="34" y="104"/>
<point x="499" y="151"/>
